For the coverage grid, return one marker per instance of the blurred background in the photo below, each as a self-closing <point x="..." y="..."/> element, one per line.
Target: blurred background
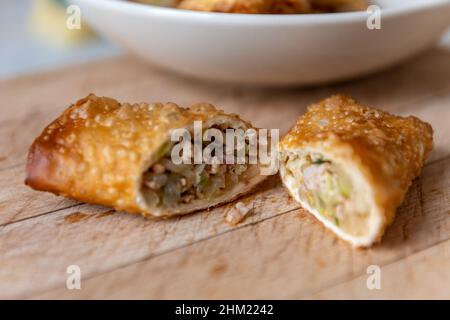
<point x="32" y="42"/>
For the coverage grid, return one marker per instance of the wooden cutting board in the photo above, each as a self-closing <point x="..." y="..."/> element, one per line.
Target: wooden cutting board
<point x="280" y="251"/>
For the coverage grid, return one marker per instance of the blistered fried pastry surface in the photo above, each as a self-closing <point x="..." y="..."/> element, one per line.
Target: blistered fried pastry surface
<point x="381" y="152"/>
<point x="338" y="5"/>
<point x="228" y="6"/>
<point x="98" y="149"/>
<point x="273" y="6"/>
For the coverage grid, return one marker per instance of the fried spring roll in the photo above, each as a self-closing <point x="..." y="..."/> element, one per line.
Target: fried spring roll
<point x="273" y="6"/>
<point x="291" y="6"/>
<point x="228" y="6"/>
<point x="248" y="6"/>
<point x="161" y="3"/>
<point x="119" y="155"/>
<point x="338" y="5"/>
<point x="351" y="166"/>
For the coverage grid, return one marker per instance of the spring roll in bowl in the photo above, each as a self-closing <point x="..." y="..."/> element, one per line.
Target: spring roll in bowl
<point x="351" y="166"/>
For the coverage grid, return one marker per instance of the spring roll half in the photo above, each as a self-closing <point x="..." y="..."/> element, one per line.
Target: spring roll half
<point x="119" y="155"/>
<point x="351" y="166"/>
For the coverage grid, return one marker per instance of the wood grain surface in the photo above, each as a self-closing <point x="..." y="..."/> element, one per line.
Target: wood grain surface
<point x="280" y="251"/>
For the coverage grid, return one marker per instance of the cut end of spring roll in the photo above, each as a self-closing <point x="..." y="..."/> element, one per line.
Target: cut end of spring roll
<point x="351" y="166"/>
<point x="116" y="154"/>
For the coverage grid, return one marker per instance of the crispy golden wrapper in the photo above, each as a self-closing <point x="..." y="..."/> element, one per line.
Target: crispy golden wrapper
<point x="247" y="6"/>
<point x="161" y="3"/>
<point x="338" y="5"/>
<point x="290" y="7"/>
<point x="227" y="6"/>
<point x="273" y="6"/>
<point x="99" y="150"/>
<point x="351" y="166"/>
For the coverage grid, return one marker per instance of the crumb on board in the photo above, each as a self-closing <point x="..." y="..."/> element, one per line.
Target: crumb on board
<point x="76" y="217"/>
<point x="237" y="213"/>
<point x="105" y="214"/>
<point x="212" y="230"/>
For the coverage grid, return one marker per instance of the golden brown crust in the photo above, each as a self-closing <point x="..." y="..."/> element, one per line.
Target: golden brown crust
<point x="389" y="150"/>
<point x="228" y="6"/>
<point x="338" y="5"/>
<point x="247" y="6"/>
<point x="273" y="6"/>
<point x="98" y="149"/>
<point x="290" y="7"/>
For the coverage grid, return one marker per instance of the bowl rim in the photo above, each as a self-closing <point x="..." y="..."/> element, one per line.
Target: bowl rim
<point x="272" y="19"/>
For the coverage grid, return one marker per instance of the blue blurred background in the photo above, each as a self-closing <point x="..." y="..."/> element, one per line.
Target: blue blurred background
<point x="30" y="42"/>
<point x="34" y="38"/>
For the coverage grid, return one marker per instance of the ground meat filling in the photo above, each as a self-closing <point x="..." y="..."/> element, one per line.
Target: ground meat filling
<point x="166" y="184"/>
<point x="326" y="188"/>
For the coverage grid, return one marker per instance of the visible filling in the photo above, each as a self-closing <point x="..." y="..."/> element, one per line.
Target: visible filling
<point x="327" y="188"/>
<point x="166" y="184"/>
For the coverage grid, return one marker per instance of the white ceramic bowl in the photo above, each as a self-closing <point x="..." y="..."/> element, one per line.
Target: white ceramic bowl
<point x="270" y="49"/>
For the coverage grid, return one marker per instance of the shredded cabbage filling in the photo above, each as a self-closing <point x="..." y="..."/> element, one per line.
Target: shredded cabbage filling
<point x="166" y="184"/>
<point x="329" y="190"/>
